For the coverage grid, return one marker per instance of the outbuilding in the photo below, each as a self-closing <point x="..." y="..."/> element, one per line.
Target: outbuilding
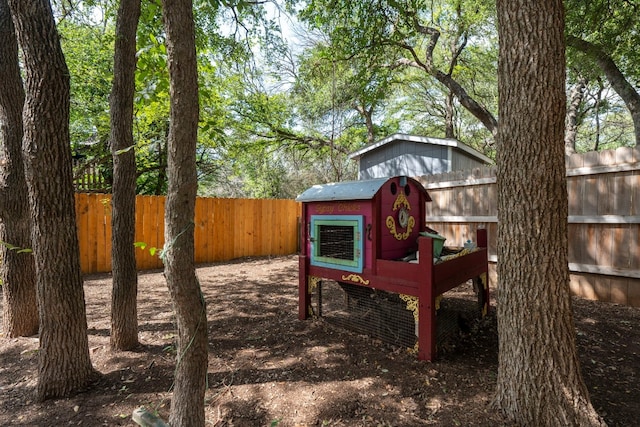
<point x="411" y="155"/>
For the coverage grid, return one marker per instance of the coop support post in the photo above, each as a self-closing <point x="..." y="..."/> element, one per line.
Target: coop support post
<point x="304" y="299"/>
<point x="481" y="237"/>
<point x="319" y="304"/>
<point x="426" y="303"/>
<point x="483" y="242"/>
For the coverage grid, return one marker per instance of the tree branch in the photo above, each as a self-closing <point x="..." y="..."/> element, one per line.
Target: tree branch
<point x="618" y="81"/>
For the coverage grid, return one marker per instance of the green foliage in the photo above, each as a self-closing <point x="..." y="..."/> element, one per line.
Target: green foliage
<point x="151" y="104"/>
<point x="612" y="24"/>
<point x="604" y="123"/>
<point x="152" y="250"/>
<point x="328" y="86"/>
<point x="275" y="118"/>
<point x="380" y="40"/>
<point x="17" y="249"/>
<point x="88" y="50"/>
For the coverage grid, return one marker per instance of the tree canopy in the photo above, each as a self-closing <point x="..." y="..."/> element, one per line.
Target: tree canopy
<point x="300" y="86"/>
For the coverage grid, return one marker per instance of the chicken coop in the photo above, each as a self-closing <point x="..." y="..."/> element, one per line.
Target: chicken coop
<point x="369" y="239"/>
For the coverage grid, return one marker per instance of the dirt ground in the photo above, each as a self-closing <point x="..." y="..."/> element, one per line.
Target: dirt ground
<point x="267" y="368"/>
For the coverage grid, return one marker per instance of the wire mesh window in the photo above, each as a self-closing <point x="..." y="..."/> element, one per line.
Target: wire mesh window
<point x="336" y="241"/>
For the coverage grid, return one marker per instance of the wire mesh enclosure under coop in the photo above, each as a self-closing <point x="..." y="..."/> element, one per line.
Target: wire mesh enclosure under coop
<point x="390" y="317"/>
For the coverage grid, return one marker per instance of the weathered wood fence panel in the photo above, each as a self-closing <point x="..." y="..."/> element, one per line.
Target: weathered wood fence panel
<point x="88" y="177"/>
<point x="604" y="219"/>
<point x="224" y="229"/>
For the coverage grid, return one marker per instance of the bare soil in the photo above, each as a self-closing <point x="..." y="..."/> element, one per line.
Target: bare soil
<point x="267" y="368"/>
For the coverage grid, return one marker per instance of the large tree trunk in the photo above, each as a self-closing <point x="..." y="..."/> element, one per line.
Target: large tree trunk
<point x="17" y="268"/>
<point x="539" y="381"/>
<point x="124" y="314"/>
<point x="619" y="83"/>
<point x="63" y="358"/>
<point x="187" y="405"/>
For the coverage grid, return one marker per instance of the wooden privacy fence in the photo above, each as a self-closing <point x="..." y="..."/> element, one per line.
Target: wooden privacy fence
<point x="224" y="229"/>
<point x="604" y="219"/>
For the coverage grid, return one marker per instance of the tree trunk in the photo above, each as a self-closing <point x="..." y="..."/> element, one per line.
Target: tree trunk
<point x="63" y="358"/>
<point x="124" y="314"/>
<point x="17" y="268"/>
<point x="619" y="83"/>
<point x="367" y="115"/>
<point x="577" y="95"/>
<point x="187" y="405"/>
<point x="539" y="380"/>
<point x="472" y="106"/>
<point x="449" y="122"/>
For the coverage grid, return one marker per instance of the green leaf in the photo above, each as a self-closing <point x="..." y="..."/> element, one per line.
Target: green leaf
<point x="18" y="249"/>
<point x="8" y="246"/>
<point x="141" y="245"/>
<point x="125" y="150"/>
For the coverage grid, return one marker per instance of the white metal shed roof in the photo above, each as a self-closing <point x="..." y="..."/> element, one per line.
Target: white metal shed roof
<point x="346" y="190"/>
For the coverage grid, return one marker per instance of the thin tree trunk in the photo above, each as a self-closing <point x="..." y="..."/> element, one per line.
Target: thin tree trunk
<point x="449" y="124"/>
<point x="17" y="268"/>
<point x="576" y="97"/>
<point x="187" y="405"/>
<point x="367" y="115"/>
<point x="596" y="109"/>
<point x="124" y="314"/>
<point x="539" y="381"/>
<point x="64" y="366"/>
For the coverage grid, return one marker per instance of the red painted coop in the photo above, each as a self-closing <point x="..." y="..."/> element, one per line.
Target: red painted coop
<point x="369" y="239"/>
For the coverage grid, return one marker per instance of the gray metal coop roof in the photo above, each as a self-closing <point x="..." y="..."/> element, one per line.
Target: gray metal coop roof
<point x="346" y="190"/>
